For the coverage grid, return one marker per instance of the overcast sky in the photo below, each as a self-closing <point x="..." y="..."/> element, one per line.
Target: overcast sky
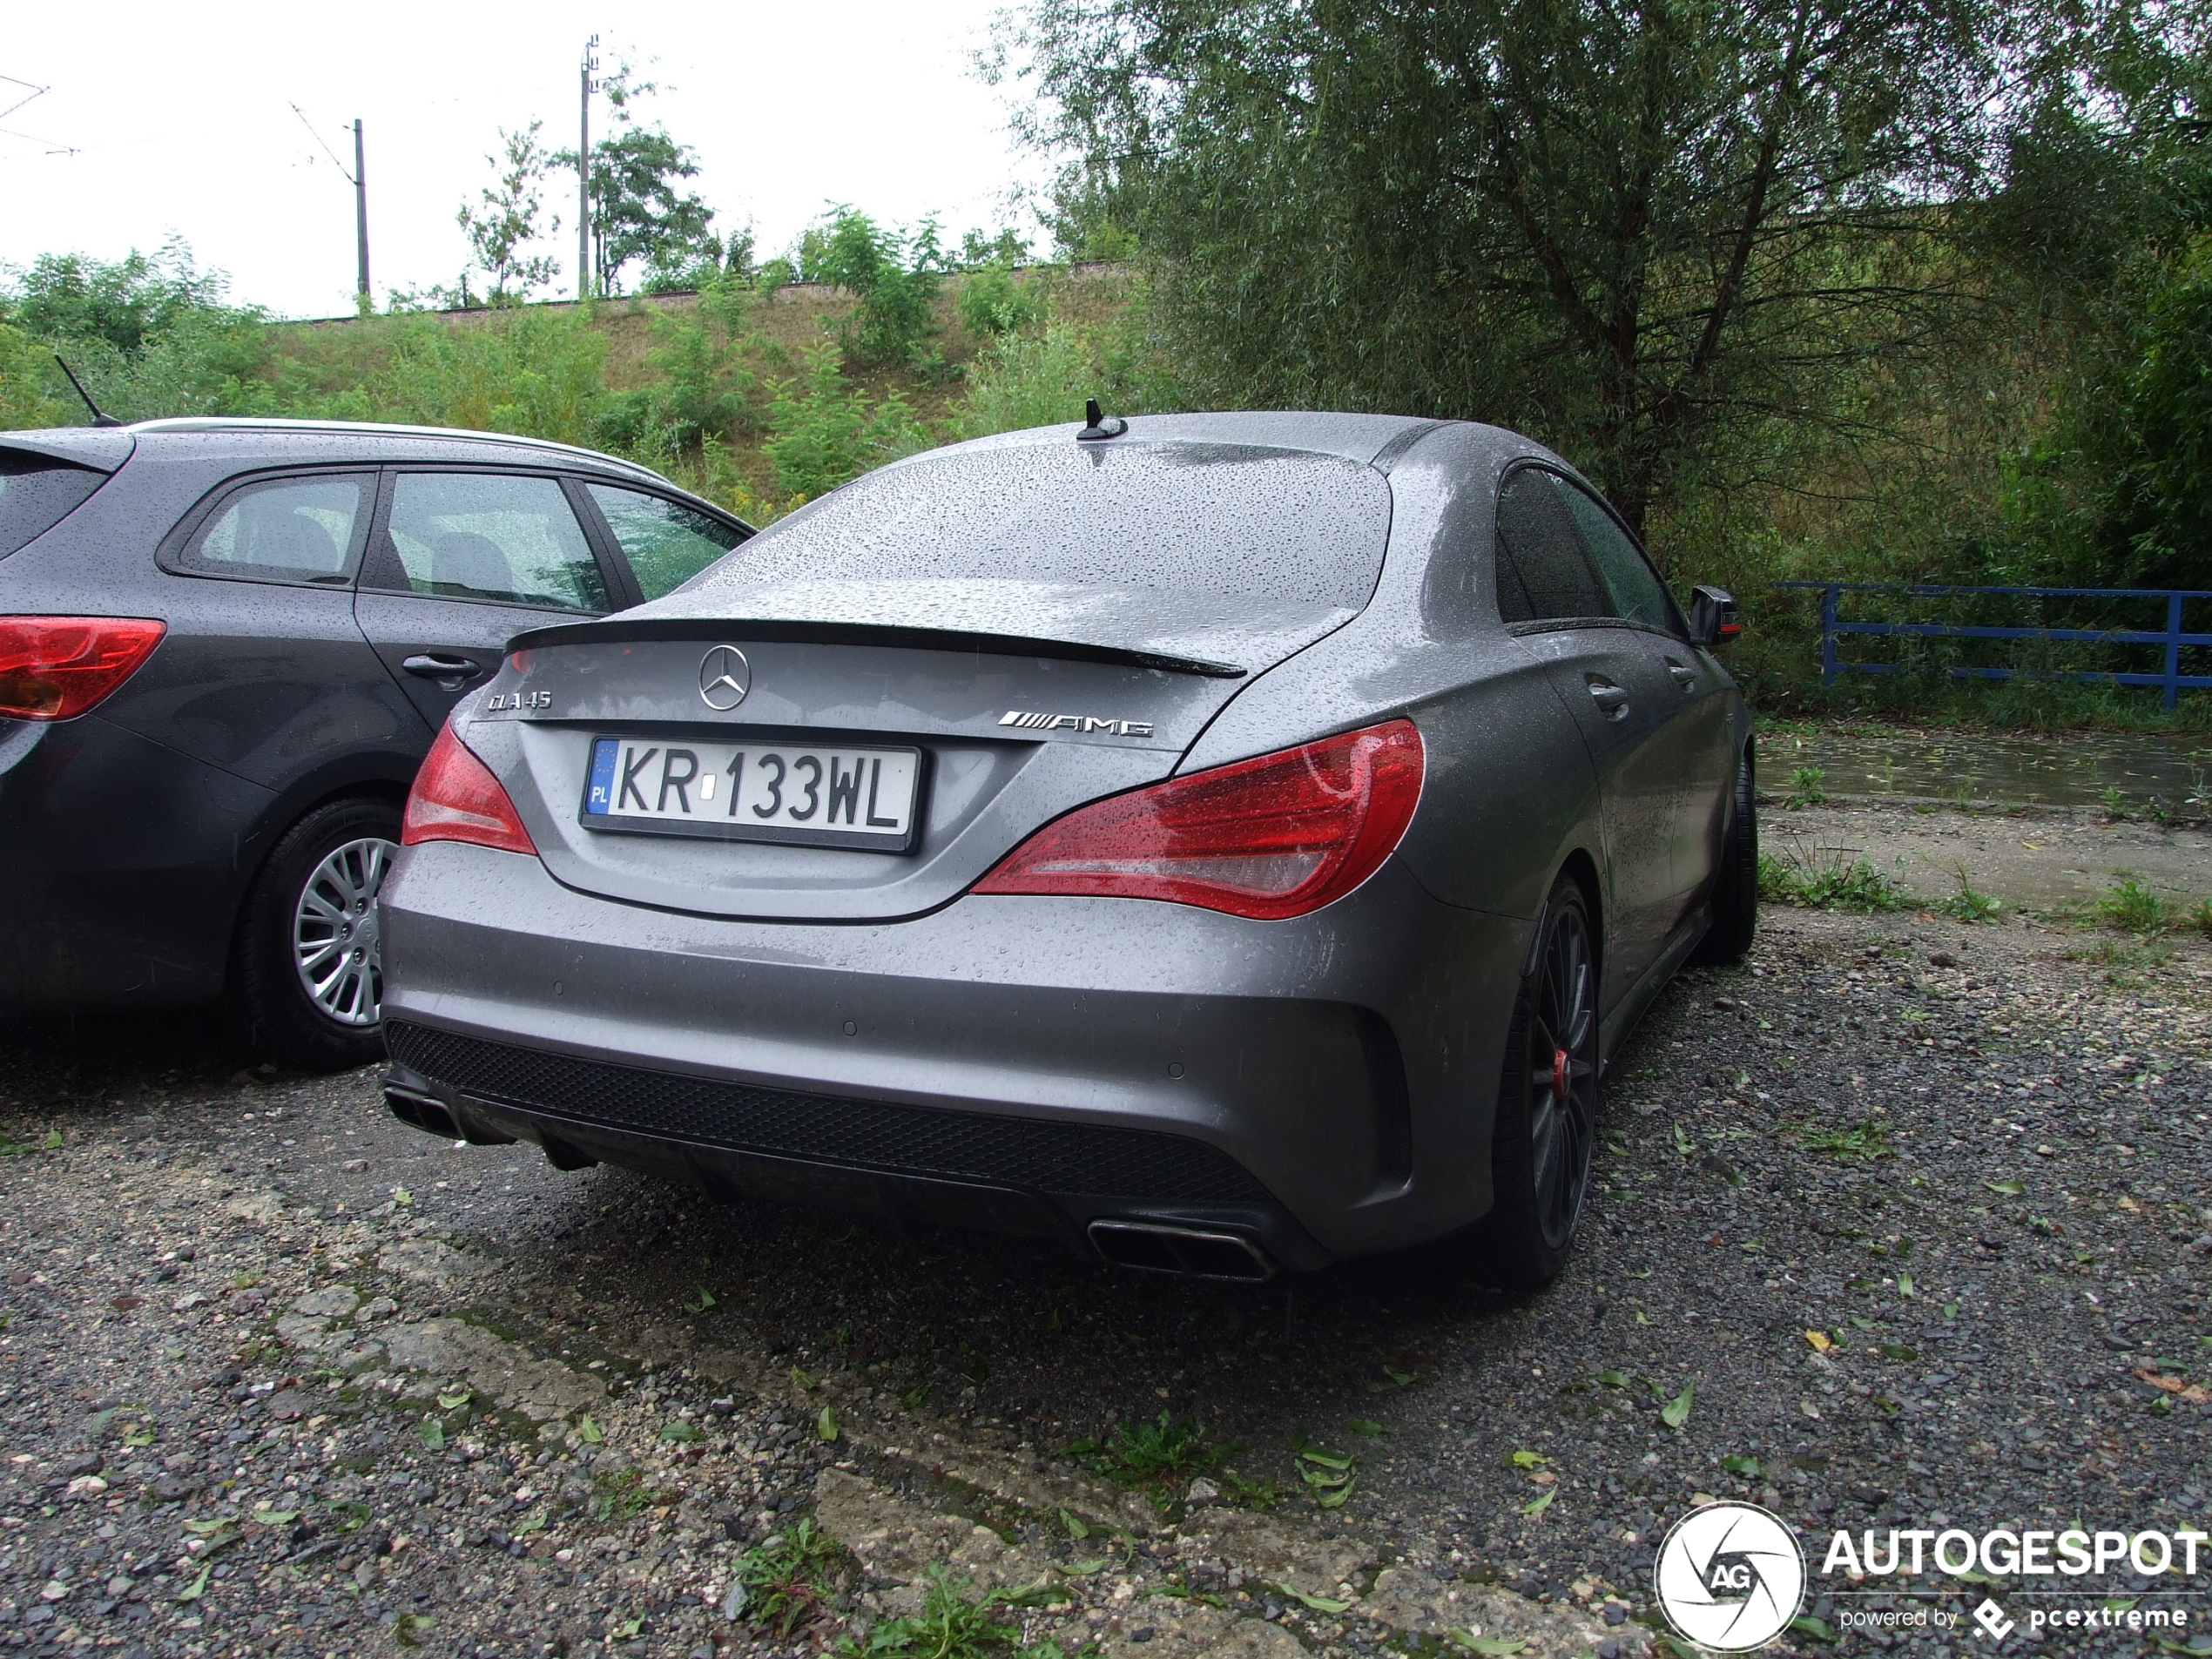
<point x="179" y="120"/>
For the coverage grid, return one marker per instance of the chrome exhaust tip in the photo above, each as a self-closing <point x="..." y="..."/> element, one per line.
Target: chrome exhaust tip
<point x="1189" y="1252"/>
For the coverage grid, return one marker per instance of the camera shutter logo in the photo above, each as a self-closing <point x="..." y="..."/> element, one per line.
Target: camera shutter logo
<point x="725" y="677"/>
<point x="1730" y="1576"/>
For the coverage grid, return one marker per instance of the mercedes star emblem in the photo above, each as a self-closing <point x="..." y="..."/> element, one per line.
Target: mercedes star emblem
<point x="725" y="677"/>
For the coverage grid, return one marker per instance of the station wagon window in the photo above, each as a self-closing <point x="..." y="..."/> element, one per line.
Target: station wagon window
<point x="666" y="543"/>
<point x="482" y="536"/>
<point x="1637" y="593"/>
<point x="288" y="530"/>
<point x="1544" y="574"/>
<point x="36" y="493"/>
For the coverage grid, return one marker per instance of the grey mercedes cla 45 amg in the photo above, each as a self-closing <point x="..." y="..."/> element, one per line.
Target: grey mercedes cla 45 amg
<point x="1219" y="841"/>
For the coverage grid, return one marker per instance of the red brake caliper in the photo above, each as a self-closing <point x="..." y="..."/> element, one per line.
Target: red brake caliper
<point x="1559" y="1075"/>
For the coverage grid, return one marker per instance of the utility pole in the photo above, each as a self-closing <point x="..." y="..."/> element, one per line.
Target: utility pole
<point x="584" y="174"/>
<point x="361" y="207"/>
<point x="359" y="180"/>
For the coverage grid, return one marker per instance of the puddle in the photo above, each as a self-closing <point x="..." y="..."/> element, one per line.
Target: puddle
<point x="2074" y="771"/>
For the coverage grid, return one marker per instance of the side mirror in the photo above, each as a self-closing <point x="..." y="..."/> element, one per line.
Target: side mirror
<point x="1713" y="618"/>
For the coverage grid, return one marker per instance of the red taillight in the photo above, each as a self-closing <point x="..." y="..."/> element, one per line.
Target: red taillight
<point x="456" y="798"/>
<point x="54" y="668"/>
<point x="1271" y="837"/>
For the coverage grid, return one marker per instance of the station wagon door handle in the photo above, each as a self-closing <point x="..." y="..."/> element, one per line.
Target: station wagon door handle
<point x="442" y="668"/>
<point x="1684" y="677"/>
<point x="1613" y="699"/>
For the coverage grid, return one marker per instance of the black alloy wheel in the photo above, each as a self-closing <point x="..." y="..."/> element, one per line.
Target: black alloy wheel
<point x="1548" y="1099"/>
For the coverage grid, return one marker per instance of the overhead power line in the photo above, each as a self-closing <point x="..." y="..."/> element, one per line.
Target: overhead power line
<point x="36" y="91"/>
<point x="325" y="148"/>
<point x="53" y="146"/>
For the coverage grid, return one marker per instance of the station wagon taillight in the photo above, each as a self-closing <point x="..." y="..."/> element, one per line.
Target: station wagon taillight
<point x="456" y="798"/>
<point x="1275" y="836"/>
<point x="54" y="668"/>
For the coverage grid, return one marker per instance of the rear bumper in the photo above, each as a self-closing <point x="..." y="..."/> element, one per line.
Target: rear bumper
<point x="907" y="1164"/>
<point x="120" y="868"/>
<point x="1323" y="1085"/>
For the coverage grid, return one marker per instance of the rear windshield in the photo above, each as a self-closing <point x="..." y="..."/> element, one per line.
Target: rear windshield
<point x="1205" y="518"/>
<point x="37" y="493"/>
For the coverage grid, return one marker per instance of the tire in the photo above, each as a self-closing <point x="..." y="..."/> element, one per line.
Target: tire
<point x="1735" y="886"/>
<point x="1548" y="1098"/>
<point x="313" y="911"/>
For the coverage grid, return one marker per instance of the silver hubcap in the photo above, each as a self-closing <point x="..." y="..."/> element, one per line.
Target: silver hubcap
<point x="335" y="942"/>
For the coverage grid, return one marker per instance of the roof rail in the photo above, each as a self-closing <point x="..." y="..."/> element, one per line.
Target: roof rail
<point x="381" y="429"/>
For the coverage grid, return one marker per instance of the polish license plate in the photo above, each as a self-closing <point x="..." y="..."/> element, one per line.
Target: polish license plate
<point x="811" y="794"/>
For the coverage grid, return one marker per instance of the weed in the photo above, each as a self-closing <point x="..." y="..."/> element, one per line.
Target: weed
<point x="1329" y="1474"/>
<point x="1868" y="1141"/>
<point x="2201" y="918"/>
<point x="951" y="1626"/>
<point x="782" y="1576"/>
<point x="2115" y="803"/>
<point x="2126" y="962"/>
<point x="1837" y="885"/>
<point x="1165" y="1450"/>
<point x="624" y="1493"/>
<point x="2133" y="909"/>
<point x="1804" y="789"/>
<point x="1967" y="905"/>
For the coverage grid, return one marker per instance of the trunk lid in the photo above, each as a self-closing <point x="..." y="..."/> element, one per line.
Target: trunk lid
<point x="1019" y="699"/>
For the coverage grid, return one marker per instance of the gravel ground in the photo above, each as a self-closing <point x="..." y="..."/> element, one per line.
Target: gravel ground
<point x="280" y="1375"/>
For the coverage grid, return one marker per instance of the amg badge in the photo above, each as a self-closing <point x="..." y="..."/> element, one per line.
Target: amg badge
<point x="1029" y="722"/>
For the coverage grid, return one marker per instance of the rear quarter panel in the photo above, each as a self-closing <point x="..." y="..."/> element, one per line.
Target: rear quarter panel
<point x="1509" y="790"/>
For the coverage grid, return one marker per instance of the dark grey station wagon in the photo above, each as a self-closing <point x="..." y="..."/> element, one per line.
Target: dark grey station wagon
<point x="225" y="647"/>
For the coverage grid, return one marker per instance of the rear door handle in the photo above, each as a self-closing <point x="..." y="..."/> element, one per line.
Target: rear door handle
<point x="432" y="667"/>
<point x="1613" y="699"/>
<point x="1684" y="677"/>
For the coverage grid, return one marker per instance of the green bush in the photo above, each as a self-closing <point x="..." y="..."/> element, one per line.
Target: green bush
<point x="895" y="280"/>
<point x="825" y="430"/>
<point x="993" y="301"/>
<point x="124" y="303"/>
<point x="703" y="386"/>
<point x="1041" y="377"/>
<point x="32" y="391"/>
<point x="536" y="372"/>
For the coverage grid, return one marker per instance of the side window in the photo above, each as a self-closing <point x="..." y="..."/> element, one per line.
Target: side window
<point x="666" y="543"/>
<point x="1637" y="592"/>
<point x="36" y="493"/>
<point x="288" y="530"/>
<point x="482" y="536"/>
<point x="1543" y="573"/>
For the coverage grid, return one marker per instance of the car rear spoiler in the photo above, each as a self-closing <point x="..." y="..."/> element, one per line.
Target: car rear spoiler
<point x="94" y="449"/>
<point x="616" y="631"/>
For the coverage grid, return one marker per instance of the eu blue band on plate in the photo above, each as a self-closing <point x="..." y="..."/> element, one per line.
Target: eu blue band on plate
<point x="602" y="796"/>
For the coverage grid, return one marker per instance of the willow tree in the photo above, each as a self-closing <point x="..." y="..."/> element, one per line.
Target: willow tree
<point x="1639" y="228"/>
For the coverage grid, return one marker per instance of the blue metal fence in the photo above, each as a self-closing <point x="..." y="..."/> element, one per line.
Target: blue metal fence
<point x="2170" y="678"/>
